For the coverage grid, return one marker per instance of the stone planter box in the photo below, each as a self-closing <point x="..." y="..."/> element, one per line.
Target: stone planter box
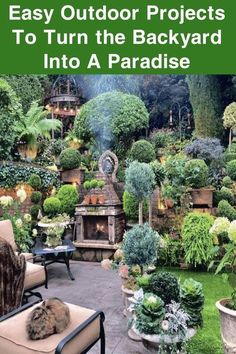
<point x="202" y="196"/>
<point x="73" y="176"/>
<point x="228" y="326"/>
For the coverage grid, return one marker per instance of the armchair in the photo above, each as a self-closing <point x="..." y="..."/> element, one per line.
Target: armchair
<point x="35" y="275"/>
<point x="84" y="331"/>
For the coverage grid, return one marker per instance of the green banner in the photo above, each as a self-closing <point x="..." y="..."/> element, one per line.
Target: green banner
<point x="118" y="37"/>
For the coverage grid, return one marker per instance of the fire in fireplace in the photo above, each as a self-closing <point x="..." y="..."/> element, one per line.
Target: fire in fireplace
<point x="96" y="228"/>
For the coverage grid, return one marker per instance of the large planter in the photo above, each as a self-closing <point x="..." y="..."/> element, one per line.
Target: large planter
<point x="27" y="152"/>
<point x="154" y="341"/>
<point x="228" y="326"/>
<point x="73" y="176"/>
<point x="202" y="196"/>
<point x="126" y="294"/>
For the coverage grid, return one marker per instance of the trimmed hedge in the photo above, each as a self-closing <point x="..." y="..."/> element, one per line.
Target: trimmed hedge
<point x="13" y="174"/>
<point x="69" y="197"/>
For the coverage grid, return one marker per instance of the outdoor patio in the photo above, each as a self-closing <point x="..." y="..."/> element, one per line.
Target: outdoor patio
<point x="97" y="289"/>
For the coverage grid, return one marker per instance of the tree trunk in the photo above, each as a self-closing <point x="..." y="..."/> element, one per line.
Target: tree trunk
<point x="150" y="211"/>
<point x="140" y="213"/>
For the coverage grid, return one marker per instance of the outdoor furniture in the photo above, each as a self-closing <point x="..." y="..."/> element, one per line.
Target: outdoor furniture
<point x="35" y="275"/>
<point x="59" y="254"/>
<point x="84" y="330"/>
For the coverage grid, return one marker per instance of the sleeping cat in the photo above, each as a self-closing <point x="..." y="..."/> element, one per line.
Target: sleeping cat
<point x="52" y="316"/>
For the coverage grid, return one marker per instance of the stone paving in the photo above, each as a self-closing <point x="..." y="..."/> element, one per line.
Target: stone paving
<point x="97" y="289"/>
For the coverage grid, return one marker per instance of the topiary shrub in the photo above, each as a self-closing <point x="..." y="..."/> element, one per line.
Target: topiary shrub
<point x="69" y="197"/>
<point x="196" y="173"/>
<point x="70" y="159"/>
<point x="52" y="206"/>
<point x="165" y="285"/>
<point x="160" y="140"/>
<point x="35" y="181"/>
<point x="197" y="241"/>
<point x="140" y="246"/>
<point x="159" y="172"/>
<point x="130" y="206"/>
<point x="192" y="301"/>
<point x="226" y="210"/>
<point x="113" y="119"/>
<point x="231" y="169"/>
<point x="34" y="211"/>
<point x="224" y="194"/>
<point x="227" y="182"/>
<point x="139" y="182"/>
<point x="142" y="151"/>
<point x="36" y="197"/>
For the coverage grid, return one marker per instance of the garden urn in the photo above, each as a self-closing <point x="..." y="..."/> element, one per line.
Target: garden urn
<point x="228" y="326"/>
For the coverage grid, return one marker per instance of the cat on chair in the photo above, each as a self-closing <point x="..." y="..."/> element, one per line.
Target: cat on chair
<point x="52" y="316"/>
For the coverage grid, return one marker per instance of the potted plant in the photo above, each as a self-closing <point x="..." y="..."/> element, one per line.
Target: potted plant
<point x="70" y="160"/>
<point x="196" y="174"/>
<point x="140" y="249"/>
<point x="93" y="186"/>
<point x="227" y="307"/>
<point x="54" y="227"/>
<point x="31" y="126"/>
<point x="87" y="187"/>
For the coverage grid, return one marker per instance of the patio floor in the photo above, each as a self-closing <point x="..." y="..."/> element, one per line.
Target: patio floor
<point x="97" y="289"/>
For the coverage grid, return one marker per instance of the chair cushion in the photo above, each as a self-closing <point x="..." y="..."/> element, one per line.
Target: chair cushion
<point x="6" y="232"/>
<point x="16" y="341"/>
<point x="34" y="275"/>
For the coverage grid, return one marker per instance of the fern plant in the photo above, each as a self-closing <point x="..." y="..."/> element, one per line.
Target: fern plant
<point x="35" y="124"/>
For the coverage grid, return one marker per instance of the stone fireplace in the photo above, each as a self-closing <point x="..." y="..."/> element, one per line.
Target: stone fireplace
<point x="101" y="226"/>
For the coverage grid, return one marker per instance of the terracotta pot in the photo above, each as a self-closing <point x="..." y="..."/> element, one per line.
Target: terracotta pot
<point x="87" y="199"/>
<point x="228" y="326"/>
<point x="73" y="176"/>
<point x="101" y="199"/>
<point x="203" y="196"/>
<point x="94" y="199"/>
<point x="169" y="203"/>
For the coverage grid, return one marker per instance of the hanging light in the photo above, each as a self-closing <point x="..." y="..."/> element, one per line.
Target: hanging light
<point x="171" y="118"/>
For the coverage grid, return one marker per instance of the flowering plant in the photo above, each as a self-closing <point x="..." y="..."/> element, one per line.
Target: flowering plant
<point x="220" y="225"/>
<point x="21" y="223"/>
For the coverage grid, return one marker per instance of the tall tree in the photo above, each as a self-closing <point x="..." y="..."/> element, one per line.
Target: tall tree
<point x="206" y="100"/>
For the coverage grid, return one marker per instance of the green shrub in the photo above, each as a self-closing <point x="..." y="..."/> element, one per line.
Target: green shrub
<point x="52" y="206"/>
<point x="34" y="211"/>
<point x="227" y="182"/>
<point x="100" y="184"/>
<point x="165" y="285"/>
<point x="69" y="197"/>
<point x="70" y="159"/>
<point x="10" y="110"/>
<point x="11" y="175"/>
<point x="142" y="151"/>
<point x="159" y="172"/>
<point x="229" y="156"/>
<point x="174" y="168"/>
<point x="197" y="241"/>
<point x="192" y="301"/>
<point x="231" y="169"/>
<point x="115" y="116"/>
<point x="196" y="173"/>
<point x="93" y="183"/>
<point x="140" y="246"/>
<point x="36" y="197"/>
<point x="35" y="181"/>
<point x="87" y="185"/>
<point x="224" y="194"/>
<point x="160" y="140"/>
<point x="130" y="205"/>
<point x="226" y="210"/>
